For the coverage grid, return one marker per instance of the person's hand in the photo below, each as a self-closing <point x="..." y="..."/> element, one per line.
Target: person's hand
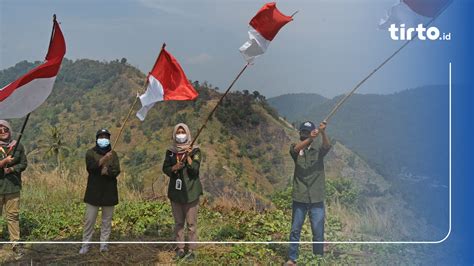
<point x="322" y="126"/>
<point x="6" y="160"/>
<point x="104" y="170"/>
<point x="106" y="158"/>
<point x="314" y="133"/>
<point x="8" y="170"/>
<point x="188" y="150"/>
<point x="177" y="166"/>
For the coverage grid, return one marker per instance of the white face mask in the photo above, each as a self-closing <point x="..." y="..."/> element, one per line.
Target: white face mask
<point x="181" y="138"/>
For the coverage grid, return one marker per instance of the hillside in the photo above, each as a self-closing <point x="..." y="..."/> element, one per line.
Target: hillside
<point x="246" y="169"/>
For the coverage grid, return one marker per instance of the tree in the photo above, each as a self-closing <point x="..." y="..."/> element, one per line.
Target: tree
<point x="53" y="146"/>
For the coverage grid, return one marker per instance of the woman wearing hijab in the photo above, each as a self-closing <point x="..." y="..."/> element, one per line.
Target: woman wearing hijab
<point x="103" y="167"/>
<point x="182" y="164"/>
<point x="12" y="163"/>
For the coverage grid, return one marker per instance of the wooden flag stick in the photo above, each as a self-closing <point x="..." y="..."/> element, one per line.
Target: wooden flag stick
<point x="21" y="133"/>
<point x="134" y="103"/>
<point x="218" y="103"/>
<point x="350" y="93"/>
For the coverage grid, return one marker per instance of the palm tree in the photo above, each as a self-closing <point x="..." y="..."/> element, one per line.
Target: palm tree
<point x="53" y="146"/>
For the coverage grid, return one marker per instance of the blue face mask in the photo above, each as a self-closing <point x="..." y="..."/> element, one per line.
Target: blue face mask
<point x="103" y="143"/>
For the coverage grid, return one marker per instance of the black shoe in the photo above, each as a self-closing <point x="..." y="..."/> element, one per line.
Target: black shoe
<point x="179" y="254"/>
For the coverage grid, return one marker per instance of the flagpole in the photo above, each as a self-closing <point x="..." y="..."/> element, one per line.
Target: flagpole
<point x="134" y="103"/>
<point x="348" y="95"/>
<point x="218" y="103"/>
<point x="21" y="133"/>
<point x="52" y="34"/>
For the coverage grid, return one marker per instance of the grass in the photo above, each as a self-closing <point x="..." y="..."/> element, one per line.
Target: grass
<point x="52" y="209"/>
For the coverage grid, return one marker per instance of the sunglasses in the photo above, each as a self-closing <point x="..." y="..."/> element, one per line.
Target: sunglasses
<point x="4" y="130"/>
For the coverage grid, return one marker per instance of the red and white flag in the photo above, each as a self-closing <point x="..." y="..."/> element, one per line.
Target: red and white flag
<point x="413" y="12"/>
<point x="166" y="82"/>
<point x="25" y="94"/>
<point x="264" y="26"/>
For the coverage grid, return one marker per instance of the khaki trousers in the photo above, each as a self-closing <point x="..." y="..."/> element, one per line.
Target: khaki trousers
<point x="185" y="212"/>
<point x="90" y="219"/>
<point x="10" y="203"/>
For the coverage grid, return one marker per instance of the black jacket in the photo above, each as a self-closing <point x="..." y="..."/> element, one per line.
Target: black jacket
<point x="101" y="189"/>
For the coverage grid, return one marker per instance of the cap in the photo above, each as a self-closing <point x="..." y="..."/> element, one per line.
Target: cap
<point x="102" y="131"/>
<point x="308" y="126"/>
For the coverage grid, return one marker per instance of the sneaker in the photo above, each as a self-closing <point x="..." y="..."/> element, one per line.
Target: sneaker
<point x="18" y="250"/>
<point x="190" y="256"/>
<point x="179" y="254"/>
<point x="84" y="249"/>
<point x="104" y="247"/>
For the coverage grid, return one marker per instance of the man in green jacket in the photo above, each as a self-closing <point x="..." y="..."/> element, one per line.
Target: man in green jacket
<point x="308" y="186"/>
<point x="12" y="163"/>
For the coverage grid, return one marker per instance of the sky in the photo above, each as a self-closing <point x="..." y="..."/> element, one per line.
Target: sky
<point x="329" y="47"/>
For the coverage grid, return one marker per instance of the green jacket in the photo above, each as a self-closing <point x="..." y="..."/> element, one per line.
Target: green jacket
<point x="309" y="178"/>
<point x="191" y="187"/>
<point x="11" y="183"/>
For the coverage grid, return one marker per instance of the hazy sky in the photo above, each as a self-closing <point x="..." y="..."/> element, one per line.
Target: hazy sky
<point x="327" y="49"/>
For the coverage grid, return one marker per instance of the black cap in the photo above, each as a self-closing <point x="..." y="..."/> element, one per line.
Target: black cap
<point x="308" y="126"/>
<point x="102" y="131"/>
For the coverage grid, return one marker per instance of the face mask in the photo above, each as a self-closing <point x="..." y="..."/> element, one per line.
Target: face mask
<point x="103" y="143"/>
<point x="181" y="138"/>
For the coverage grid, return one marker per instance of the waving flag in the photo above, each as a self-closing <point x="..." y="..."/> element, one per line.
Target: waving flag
<point x="22" y="96"/>
<point x="264" y="26"/>
<point x="413" y="12"/>
<point x="166" y="82"/>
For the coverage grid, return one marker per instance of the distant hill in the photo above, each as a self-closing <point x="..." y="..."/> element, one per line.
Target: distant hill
<point x="296" y="105"/>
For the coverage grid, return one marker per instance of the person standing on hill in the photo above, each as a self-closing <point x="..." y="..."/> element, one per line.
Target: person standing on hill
<point x="12" y="163"/>
<point x="103" y="166"/>
<point x="308" y="186"/>
<point x="182" y="164"/>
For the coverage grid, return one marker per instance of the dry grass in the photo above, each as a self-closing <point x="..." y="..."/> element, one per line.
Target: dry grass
<point x="41" y="185"/>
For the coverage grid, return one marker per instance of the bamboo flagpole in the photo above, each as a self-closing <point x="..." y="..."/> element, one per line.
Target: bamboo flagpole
<point x="134" y="103"/>
<point x="351" y="92"/>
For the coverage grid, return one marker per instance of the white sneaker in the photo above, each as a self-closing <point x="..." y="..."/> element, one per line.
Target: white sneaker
<point x="84" y="249"/>
<point x="104" y="247"/>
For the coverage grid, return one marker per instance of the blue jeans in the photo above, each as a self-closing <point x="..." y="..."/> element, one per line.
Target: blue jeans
<point x="316" y="217"/>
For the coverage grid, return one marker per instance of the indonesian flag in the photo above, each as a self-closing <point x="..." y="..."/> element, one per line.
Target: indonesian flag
<point x="413" y="12"/>
<point x="24" y="95"/>
<point x="166" y="82"/>
<point x="264" y="26"/>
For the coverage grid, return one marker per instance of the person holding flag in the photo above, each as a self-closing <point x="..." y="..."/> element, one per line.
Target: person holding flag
<point x="103" y="166"/>
<point x="13" y="163"/>
<point x="308" y="186"/>
<point x="182" y="162"/>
